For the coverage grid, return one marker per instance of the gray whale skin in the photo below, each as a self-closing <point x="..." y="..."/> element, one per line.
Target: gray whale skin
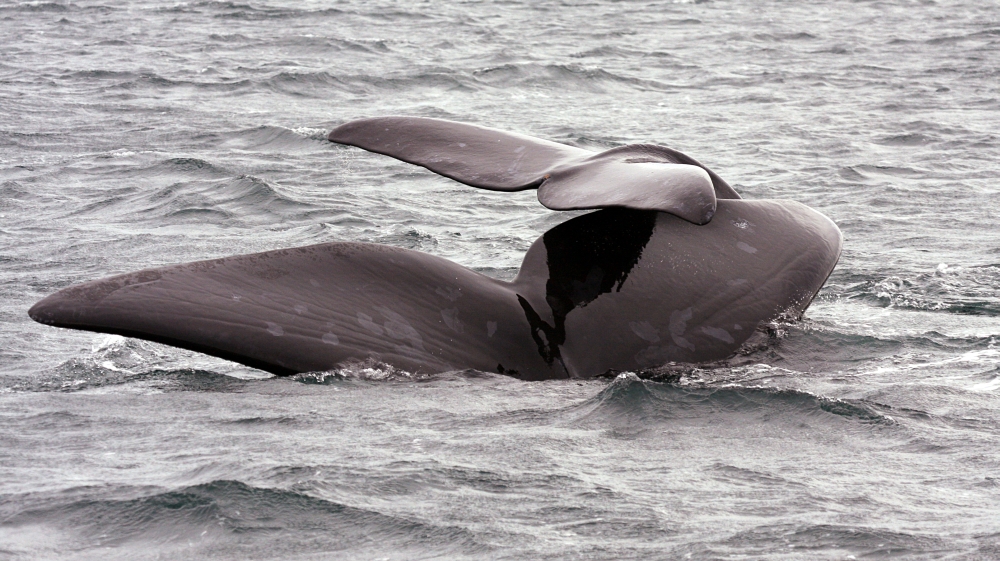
<point x="673" y="267"/>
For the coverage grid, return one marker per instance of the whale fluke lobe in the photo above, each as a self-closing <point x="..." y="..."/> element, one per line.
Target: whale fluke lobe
<point x="617" y="179"/>
<point x="477" y="156"/>
<point x="677" y="268"/>
<point x="641" y="176"/>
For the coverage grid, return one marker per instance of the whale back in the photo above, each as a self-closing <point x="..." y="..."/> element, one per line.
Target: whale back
<point x="620" y="289"/>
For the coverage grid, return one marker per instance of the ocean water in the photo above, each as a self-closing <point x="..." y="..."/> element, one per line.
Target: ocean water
<point x="142" y="134"/>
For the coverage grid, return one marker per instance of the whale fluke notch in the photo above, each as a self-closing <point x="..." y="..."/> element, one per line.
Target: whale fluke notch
<point x="640" y="176"/>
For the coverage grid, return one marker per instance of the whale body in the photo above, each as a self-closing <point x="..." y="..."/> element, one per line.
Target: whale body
<point x="673" y="267"/>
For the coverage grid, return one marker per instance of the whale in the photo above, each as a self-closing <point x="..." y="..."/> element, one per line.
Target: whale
<point x="671" y="266"/>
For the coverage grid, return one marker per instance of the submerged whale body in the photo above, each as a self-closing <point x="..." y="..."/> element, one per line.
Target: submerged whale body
<point x="673" y="267"/>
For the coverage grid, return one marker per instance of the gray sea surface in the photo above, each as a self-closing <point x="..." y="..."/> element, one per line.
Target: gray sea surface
<point x="141" y="134"/>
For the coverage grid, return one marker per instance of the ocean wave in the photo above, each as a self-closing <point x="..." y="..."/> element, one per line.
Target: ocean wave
<point x="316" y="45"/>
<point x="409" y="238"/>
<point x="152" y="80"/>
<point x="368" y="370"/>
<point x="730" y="473"/>
<point x="815" y="541"/>
<point x="30" y="141"/>
<point x="192" y="190"/>
<point x="186" y="166"/>
<point x="611" y="51"/>
<point x="246" y="11"/>
<point x="80" y="375"/>
<point x="40" y="7"/>
<point x="320" y="83"/>
<point x="269" y="138"/>
<point x="976" y="369"/>
<point x="228" y="516"/>
<point x="230" y="38"/>
<point x="373" y="370"/>
<point x="840" y="334"/>
<point x="782" y="37"/>
<point x="865" y="170"/>
<point x="908" y="139"/>
<point x="629" y="401"/>
<point x="659" y="58"/>
<point x="113" y="43"/>
<point x="261" y="421"/>
<point x="11" y="191"/>
<point x="409" y="477"/>
<point x="987" y="34"/>
<point x="99" y="74"/>
<point x="122" y="364"/>
<point x="575" y="77"/>
<point x="967" y="290"/>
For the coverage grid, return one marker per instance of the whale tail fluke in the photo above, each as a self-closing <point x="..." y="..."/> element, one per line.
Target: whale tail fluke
<point x="640" y="177"/>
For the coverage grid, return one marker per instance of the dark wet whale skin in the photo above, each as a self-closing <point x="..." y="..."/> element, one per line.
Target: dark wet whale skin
<point x="616" y="289"/>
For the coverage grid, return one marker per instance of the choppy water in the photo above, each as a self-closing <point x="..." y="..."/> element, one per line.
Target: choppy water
<point x="150" y="133"/>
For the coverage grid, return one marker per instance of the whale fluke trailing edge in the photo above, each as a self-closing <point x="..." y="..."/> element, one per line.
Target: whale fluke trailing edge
<point x="656" y="275"/>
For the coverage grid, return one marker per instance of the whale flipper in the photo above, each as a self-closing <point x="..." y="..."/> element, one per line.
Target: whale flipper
<point x="641" y="177"/>
<point x="311" y="309"/>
